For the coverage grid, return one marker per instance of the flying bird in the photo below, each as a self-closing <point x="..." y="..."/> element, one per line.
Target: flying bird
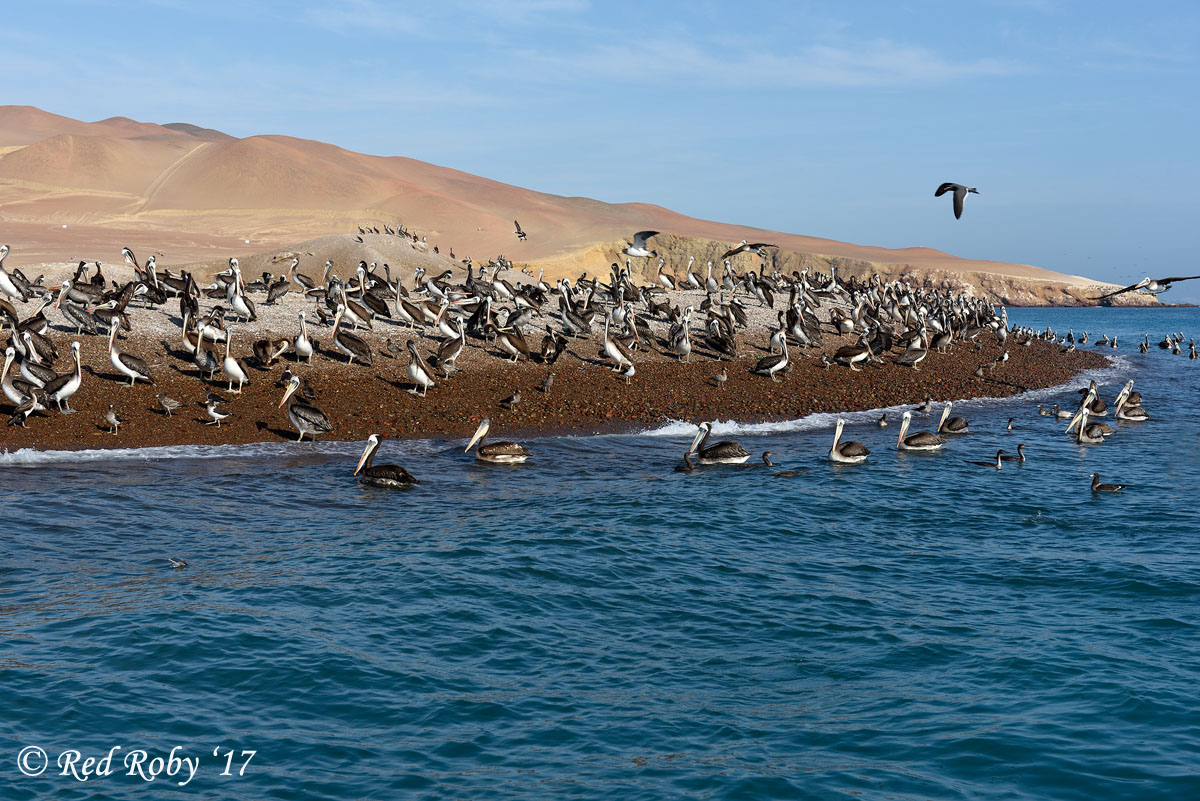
<point x="960" y="194"/>
<point x="638" y="248"/>
<point x="520" y="234"/>
<point x="748" y="247"/>
<point x="1149" y="286"/>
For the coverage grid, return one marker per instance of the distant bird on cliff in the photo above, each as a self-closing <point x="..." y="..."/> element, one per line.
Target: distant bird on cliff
<point x="520" y="234"/>
<point x="1149" y="286"/>
<point x="638" y="248"/>
<point x="748" y="247"/>
<point x="960" y="194"/>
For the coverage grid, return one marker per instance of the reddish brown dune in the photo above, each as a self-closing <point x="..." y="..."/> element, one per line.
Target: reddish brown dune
<point x="188" y="192"/>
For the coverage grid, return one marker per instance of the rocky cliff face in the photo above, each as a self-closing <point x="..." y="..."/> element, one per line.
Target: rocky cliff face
<point x="1010" y="290"/>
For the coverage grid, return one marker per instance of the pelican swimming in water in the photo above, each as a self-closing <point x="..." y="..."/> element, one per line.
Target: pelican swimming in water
<point x="391" y="476"/>
<point x="846" y="452"/>
<point x="306" y="418"/>
<point x="1089" y="433"/>
<point x="918" y="440"/>
<point x="952" y="425"/>
<point x="724" y="452"/>
<point x="495" y="452"/>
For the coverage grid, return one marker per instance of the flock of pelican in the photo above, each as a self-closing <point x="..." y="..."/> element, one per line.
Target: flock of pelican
<point x="1127" y="407"/>
<point x="891" y="320"/>
<point x="485" y="309"/>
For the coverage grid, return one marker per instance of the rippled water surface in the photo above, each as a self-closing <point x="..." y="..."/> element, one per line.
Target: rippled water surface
<point x="594" y="625"/>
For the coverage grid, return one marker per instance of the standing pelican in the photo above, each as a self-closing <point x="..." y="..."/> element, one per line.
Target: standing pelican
<point x="383" y="475"/>
<point x="126" y="363"/>
<point x="846" y="452"/>
<point x="495" y="452"/>
<point x="302" y="344"/>
<point x="6" y="283"/>
<point x="917" y="441"/>
<point x="420" y="377"/>
<point x="63" y="387"/>
<point x="348" y="343"/>
<point x="233" y="368"/>
<point x="306" y="418"/>
<point x="724" y="452"/>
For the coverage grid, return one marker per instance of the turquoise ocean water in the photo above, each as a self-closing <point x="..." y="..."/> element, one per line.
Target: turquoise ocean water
<point x="594" y="625"/>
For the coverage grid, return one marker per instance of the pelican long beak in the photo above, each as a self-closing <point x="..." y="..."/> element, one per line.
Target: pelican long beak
<point x="478" y="435"/>
<point x="291" y="388"/>
<point x="8" y="360"/>
<point x="696" y="441"/>
<point x="58" y="300"/>
<point x="363" y="459"/>
<point x="1074" y="420"/>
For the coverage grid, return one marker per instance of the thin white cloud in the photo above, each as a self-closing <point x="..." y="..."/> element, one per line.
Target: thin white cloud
<point x="878" y="63"/>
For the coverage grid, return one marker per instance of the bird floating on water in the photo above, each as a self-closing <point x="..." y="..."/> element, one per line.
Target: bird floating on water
<point x="391" y="476"/>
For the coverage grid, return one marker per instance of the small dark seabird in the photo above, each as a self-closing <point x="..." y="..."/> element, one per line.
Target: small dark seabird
<point x="996" y="464"/>
<point x="1098" y="487"/>
<point x="766" y="461"/>
<point x="1020" y="457"/>
<point x="960" y="194"/>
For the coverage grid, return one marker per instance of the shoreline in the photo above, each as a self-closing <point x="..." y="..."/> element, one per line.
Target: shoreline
<point x="586" y="398"/>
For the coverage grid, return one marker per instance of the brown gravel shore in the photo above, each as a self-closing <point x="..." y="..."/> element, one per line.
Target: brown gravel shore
<point x="586" y="396"/>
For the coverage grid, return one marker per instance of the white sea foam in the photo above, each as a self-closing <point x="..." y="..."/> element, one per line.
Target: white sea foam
<point x="826" y="420"/>
<point x="261" y="451"/>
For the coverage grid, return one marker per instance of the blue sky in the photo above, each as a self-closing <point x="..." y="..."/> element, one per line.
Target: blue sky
<point x="1076" y="121"/>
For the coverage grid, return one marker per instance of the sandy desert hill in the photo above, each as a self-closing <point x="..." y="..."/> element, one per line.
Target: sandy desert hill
<point x="72" y="190"/>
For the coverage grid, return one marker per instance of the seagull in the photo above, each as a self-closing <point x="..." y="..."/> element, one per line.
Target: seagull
<point x="216" y="414"/>
<point x="720" y="378"/>
<point x="512" y="400"/>
<point x="177" y="563"/>
<point x="638" y="248"/>
<point x="520" y="234"/>
<point x="168" y="405"/>
<point x="1149" y="286"/>
<point x="547" y="382"/>
<point x="748" y="247"/>
<point x="111" y="419"/>
<point x="960" y="194"/>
